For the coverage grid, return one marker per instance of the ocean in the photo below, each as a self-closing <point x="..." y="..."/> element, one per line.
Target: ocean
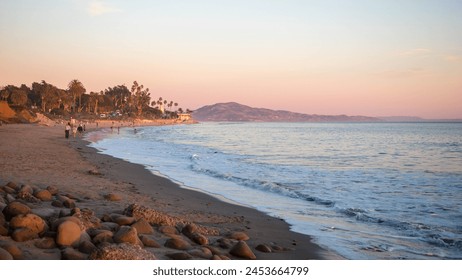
<point x="364" y="190"/>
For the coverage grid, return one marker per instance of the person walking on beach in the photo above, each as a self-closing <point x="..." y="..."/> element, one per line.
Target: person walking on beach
<point x="67" y="130"/>
<point x="74" y="130"/>
<point x="80" y="129"/>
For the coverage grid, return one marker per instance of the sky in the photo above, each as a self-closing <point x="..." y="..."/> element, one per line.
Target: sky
<point x="368" y="57"/>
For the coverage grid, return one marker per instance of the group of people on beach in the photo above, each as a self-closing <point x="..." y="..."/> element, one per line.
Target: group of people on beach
<point x="77" y="128"/>
<point x="71" y="126"/>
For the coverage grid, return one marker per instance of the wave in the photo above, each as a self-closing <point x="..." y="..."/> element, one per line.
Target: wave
<point x="433" y="235"/>
<point x="267" y="186"/>
<point x="423" y="232"/>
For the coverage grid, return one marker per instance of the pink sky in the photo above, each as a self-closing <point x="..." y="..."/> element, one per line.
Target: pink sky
<point x="318" y="57"/>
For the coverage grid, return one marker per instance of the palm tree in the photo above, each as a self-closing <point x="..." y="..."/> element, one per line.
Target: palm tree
<point x="76" y="88"/>
<point x="140" y="98"/>
<point x="94" y="99"/>
<point x="46" y="92"/>
<point x="159" y="102"/>
<point x="64" y="100"/>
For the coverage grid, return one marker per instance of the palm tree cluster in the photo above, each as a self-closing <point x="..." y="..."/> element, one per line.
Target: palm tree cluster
<point x="114" y="101"/>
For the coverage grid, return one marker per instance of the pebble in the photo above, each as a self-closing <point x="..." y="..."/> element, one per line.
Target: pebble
<point x="53" y="190"/>
<point x="9" y="198"/>
<point x="43" y="195"/>
<point x="149" y="241"/>
<point x="69" y="203"/>
<point x="12" y="185"/>
<point x="45" y="243"/>
<point x="70" y="253"/>
<point x="192" y="232"/>
<point x="127" y="234"/>
<point x="110" y="226"/>
<point x="87" y="247"/>
<point x="23" y="234"/>
<point x="68" y="234"/>
<point x="238" y="235"/>
<point x="57" y="203"/>
<point x="264" y="248"/>
<point x="5" y="255"/>
<point x="103" y="237"/>
<point x="242" y="250"/>
<point x="94" y="172"/>
<point x="179" y="256"/>
<point x="113" y="197"/>
<point x="30" y="221"/>
<point x="122" y="251"/>
<point x="12" y="248"/>
<point x="202" y="252"/>
<point x="55" y="224"/>
<point x="9" y="190"/>
<point x="225" y="243"/>
<point x="122" y="220"/>
<point x="189" y="229"/>
<point x="220" y="257"/>
<point x="143" y="227"/>
<point x="15" y="208"/>
<point x="168" y="230"/>
<point x="26" y="189"/>
<point x="199" y="238"/>
<point x="177" y="243"/>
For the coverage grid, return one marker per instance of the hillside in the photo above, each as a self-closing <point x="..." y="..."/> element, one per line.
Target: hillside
<point x="6" y="112"/>
<point x="8" y="115"/>
<point x="237" y="112"/>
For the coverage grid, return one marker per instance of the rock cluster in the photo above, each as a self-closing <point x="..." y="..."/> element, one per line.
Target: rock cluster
<point x="52" y="222"/>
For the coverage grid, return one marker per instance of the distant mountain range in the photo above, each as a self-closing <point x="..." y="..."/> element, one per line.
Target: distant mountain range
<point x="402" y="119"/>
<point x="235" y="112"/>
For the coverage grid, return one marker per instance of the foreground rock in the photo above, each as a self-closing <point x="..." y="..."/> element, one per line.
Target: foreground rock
<point x="242" y="250"/>
<point x="68" y="234"/>
<point x="122" y="251"/>
<point x="15" y="208"/>
<point x="51" y="222"/>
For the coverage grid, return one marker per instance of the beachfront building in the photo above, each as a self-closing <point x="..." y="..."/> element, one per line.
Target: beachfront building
<point x="184" y="116"/>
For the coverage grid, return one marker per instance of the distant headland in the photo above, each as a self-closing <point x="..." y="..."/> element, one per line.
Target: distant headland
<point x="235" y="112"/>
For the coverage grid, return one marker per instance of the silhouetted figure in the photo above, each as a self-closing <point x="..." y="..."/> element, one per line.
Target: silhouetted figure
<point x="67" y="130"/>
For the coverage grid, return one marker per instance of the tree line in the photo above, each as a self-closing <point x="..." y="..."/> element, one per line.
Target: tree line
<point x="118" y="100"/>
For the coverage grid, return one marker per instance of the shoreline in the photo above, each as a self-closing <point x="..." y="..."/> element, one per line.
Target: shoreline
<point x="135" y="184"/>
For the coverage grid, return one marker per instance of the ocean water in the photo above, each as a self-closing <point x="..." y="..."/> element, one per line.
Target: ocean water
<point x="363" y="190"/>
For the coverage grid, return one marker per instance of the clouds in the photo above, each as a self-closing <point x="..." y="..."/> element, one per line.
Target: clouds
<point x="453" y="58"/>
<point x="415" y="52"/>
<point x="429" y="54"/>
<point x="98" y="8"/>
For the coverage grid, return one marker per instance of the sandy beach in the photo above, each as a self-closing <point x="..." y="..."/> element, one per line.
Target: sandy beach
<point x="110" y="199"/>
